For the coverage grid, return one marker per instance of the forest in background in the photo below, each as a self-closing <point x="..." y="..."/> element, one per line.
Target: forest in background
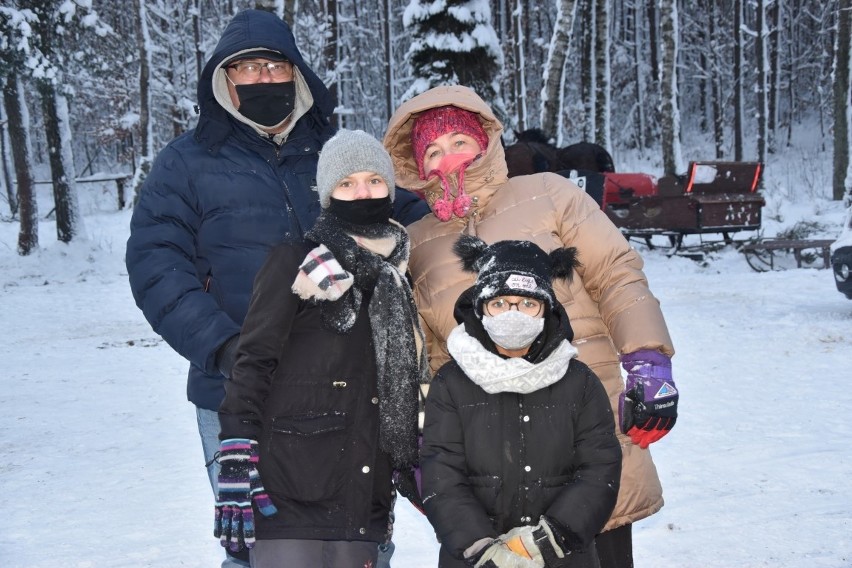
<point x="93" y="88"/>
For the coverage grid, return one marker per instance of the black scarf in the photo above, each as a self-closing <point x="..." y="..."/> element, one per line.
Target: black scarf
<point x="397" y="338"/>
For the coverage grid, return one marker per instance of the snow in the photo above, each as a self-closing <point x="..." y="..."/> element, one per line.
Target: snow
<point x="103" y="465"/>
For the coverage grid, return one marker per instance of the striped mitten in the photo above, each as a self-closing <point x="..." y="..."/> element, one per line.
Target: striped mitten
<point x="239" y="485"/>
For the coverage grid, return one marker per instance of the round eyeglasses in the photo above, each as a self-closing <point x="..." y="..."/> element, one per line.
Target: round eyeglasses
<point x="252" y="69"/>
<point x="501" y="305"/>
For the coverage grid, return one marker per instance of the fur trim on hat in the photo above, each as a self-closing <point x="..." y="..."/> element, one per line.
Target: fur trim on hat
<point x="514" y="268"/>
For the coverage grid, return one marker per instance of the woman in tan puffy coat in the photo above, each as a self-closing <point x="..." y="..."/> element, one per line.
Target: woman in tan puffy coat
<point x="609" y="304"/>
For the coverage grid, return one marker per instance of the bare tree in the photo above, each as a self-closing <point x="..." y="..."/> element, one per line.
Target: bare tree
<point x="553" y="91"/>
<point x="762" y="65"/>
<point x="842" y="184"/>
<point x="669" y="109"/>
<point x="738" y="79"/>
<point x="14" y="102"/>
<point x="146" y="133"/>
<point x="603" y="132"/>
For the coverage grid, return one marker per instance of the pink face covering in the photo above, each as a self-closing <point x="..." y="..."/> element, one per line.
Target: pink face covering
<point x="444" y="207"/>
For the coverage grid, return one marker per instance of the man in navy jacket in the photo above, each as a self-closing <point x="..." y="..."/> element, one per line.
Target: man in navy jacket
<point x="220" y="196"/>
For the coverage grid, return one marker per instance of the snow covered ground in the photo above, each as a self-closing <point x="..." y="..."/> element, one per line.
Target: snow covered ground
<point x="102" y="465"/>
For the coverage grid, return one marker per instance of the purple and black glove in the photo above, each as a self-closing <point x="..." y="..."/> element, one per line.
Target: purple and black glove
<point x="647" y="409"/>
<point x="239" y="485"/>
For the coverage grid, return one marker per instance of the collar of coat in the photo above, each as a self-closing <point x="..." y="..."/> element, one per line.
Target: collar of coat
<point x="496" y="374"/>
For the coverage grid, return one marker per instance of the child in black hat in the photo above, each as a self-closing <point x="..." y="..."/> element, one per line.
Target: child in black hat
<point x="520" y="462"/>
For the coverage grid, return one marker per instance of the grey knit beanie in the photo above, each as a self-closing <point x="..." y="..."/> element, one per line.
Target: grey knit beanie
<point x="347" y="152"/>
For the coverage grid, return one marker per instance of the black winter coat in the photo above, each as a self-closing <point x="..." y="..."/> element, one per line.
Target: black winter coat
<point x="309" y="396"/>
<point x="492" y="462"/>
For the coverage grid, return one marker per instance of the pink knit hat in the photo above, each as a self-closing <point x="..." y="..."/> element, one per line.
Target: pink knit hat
<point x="436" y="122"/>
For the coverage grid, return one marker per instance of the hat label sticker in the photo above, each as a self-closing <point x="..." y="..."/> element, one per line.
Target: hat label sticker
<point x="521" y="282"/>
<point x="666" y="390"/>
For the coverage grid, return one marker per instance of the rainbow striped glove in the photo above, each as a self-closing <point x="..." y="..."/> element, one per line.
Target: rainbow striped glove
<point x="239" y="486"/>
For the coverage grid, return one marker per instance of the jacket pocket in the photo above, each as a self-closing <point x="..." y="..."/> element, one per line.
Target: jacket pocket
<point x="306" y="452"/>
<point x="486" y="489"/>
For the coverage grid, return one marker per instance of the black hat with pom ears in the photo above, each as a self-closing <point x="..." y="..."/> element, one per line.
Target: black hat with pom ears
<point x="514" y="268"/>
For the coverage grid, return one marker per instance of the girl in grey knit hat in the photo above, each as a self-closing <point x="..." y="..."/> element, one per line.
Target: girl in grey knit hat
<point x="324" y="391"/>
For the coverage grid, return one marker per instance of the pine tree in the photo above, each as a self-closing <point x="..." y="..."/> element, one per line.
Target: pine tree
<point x="453" y="43"/>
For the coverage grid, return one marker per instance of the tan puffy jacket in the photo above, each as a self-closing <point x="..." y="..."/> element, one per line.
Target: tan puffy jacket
<point x="611" y="309"/>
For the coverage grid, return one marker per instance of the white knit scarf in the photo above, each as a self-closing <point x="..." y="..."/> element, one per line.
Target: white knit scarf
<point x="496" y="374"/>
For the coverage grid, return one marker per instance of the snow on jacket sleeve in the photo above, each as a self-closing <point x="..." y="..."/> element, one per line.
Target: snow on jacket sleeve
<point x="160" y="256"/>
<point x="458" y="517"/>
<point x="584" y="506"/>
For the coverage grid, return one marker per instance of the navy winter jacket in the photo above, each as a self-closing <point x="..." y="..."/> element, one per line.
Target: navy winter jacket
<point x="215" y="201"/>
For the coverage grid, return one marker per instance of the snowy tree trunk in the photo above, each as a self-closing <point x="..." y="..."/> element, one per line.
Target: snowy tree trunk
<point x="762" y="64"/>
<point x="842" y="100"/>
<point x="330" y="54"/>
<point x="738" y="80"/>
<point x="715" y="83"/>
<point x="640" y="86"/>
<point x="16" y="111"/>
<point x="603" y="132"/>
<point x="669" y="109"/>
<point x="553" y="90"/>
<point x="197" y="36"/>
<point x="520" y="73"/>
<point x="774" y="11"/>
<point x="390" y="71"/>
<point x="69" y="223"/>
<point x="653" y="41"/>
<point x="588" y="69"/>
<point x="6" y="164"/>
<point x="146" y="130"/>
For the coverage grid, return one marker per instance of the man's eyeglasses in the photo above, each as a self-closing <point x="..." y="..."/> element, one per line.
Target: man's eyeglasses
<point x="500" y="305"/>
<point x="252" y="69"/>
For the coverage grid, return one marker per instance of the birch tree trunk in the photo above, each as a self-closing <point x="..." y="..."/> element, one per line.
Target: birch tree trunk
<point x="6" y="164"/>
<point x="715" y="83"/>
<point x="19" y="136"/>
<point x="197" y="34"/>
<point x="146" y="153"/>
<point x="774" y="41"/>
<point x="520" y="72"/>
<point x="603" y="132"/>
<point x="762" y="64"/>
<point x="553" y="90"/>
<point x="669" y="109"/>
<point x="653" y="41"/>
<point x="738" y="80"/>
<point x="841" y="178"/>
<point x="641" y="91"/>
<point x="331" y="54"/>
<point x="390" y="71"/>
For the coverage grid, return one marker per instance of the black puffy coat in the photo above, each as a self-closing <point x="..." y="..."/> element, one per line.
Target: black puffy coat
<point x="492" y="462"/>
<point x="309" y="396"/>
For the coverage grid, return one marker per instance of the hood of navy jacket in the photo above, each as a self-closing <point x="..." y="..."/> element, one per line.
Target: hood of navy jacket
<point x="252" y="29"/>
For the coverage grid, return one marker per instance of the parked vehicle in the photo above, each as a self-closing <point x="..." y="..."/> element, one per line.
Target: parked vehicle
<point x="841" y="258"/>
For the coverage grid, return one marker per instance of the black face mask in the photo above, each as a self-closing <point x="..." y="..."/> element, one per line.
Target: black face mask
<point x="267" y="103"/>
<point x="362" y="211"/>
